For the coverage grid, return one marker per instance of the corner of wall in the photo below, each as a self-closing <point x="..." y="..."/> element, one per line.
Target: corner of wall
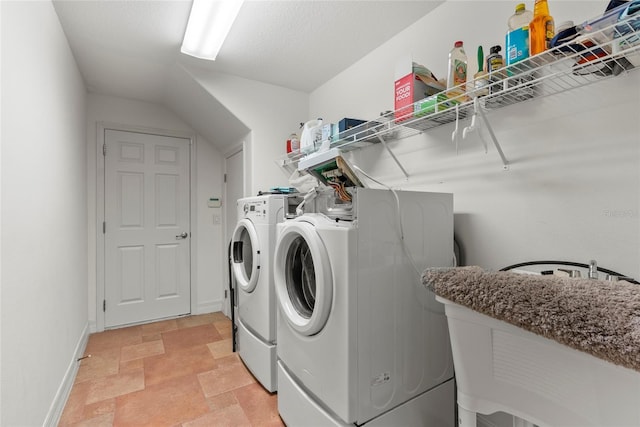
<point x="210" y="306"/>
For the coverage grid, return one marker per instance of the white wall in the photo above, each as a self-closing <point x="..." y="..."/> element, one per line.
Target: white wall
<point x="211" y="267"/>
<point x="271" y="112"/>
<point x="572" y="192"/>
<point x="0" y="214"/>
<point x="120" y="111"/>
<point x="44" y="221"/>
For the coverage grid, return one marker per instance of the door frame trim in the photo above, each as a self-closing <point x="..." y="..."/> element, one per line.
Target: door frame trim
<point x="237" y="148"/>
<point x="100" y="209"/>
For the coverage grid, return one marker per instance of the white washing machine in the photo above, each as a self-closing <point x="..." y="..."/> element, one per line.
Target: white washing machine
<point x="360" y="339"/>
<point x="253" y="245"/>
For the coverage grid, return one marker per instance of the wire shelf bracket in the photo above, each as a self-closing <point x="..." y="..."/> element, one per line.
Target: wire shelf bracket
<point x="393" y="156"/>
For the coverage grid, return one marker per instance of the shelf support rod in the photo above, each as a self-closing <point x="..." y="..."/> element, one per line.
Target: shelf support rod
<point x="505" y="162"/>
<point x="384" y="143"/>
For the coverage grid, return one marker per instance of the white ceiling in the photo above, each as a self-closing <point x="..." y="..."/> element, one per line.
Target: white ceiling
<point x="129" y="48"/>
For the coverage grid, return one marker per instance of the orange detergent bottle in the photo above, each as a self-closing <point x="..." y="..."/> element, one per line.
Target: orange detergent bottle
<point x="541" y="28"/>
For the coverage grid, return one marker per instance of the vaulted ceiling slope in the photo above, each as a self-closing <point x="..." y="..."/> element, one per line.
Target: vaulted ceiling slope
<point x="131" y="48"/>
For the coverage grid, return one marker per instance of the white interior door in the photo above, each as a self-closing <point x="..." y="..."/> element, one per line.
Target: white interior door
<point x="234" y="170"/>
<point x="147" y="227"/>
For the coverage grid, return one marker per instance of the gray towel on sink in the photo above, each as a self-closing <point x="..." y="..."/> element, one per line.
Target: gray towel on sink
<point x="594" y="316"/>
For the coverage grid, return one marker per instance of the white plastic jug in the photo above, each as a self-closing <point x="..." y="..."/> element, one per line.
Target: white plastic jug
<point x="311" y="136"/>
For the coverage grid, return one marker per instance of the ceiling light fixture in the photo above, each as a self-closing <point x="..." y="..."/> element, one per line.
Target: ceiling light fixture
<point x="208" y="26"/>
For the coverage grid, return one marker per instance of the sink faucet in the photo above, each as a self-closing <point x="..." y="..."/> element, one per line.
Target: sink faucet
<point x="593" y="269"/>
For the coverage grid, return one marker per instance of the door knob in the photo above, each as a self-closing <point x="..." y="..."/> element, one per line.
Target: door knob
<point x="182" y="236"/>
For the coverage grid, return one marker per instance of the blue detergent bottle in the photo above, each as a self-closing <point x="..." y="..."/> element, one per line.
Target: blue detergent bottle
<point x="517" y="39"/>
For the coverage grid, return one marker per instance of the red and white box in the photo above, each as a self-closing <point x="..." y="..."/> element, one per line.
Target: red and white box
<point x="408" y="90"/>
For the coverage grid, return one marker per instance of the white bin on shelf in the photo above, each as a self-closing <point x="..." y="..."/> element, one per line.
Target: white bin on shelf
<point x="500" y="367"/>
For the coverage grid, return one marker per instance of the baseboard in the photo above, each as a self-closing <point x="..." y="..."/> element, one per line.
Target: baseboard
<point x="57" y="406"/>
<point x="209" y="306"/>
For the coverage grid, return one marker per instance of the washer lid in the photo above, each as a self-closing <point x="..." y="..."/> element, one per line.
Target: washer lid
<point x="303" y="279"/>
<point x="246" y="255"/>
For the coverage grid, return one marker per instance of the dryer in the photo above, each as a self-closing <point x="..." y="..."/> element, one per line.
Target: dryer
<point x="253" y="245"/>
<point x="360" y="339"/>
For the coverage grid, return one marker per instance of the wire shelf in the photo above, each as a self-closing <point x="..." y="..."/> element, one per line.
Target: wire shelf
<point x="605" y="47"/>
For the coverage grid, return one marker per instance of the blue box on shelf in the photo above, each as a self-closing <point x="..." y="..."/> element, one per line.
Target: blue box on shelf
<point x="355" y="129"/>
<point x="346" y="124"/>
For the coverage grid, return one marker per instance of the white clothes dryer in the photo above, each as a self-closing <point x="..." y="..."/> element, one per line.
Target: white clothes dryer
<point x="360" y="339"/>
<point x="253" y="245"/>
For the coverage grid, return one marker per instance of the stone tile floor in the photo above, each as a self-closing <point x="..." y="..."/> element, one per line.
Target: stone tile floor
<point x="178" y="372"/>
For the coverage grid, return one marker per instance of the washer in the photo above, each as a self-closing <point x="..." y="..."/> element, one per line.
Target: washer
<point x="360" y="339"/>
<point x="253" y="244"/>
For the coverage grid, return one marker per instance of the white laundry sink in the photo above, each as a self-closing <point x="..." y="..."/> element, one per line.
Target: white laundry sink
<point x="554" y="352"/>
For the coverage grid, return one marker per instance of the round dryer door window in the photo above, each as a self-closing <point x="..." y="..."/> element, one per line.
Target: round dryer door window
<point x="303" y="277"/>
<point x="300" y="277"/>
<point x="246" y="255"/>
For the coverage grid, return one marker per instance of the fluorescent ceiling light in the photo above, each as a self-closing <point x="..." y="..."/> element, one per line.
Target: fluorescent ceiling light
<point x="208" y="26"/>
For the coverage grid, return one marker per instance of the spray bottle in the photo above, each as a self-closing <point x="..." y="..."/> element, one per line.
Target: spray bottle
<point x="495" y="63"/>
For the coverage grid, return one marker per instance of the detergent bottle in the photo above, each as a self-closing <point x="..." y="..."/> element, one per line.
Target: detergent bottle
<point x="293" y="144"/>
<point x="541" y="28"/>
<point x="517" y="40"/>
<point x="457" y="79"/>
<point x="311" y="136"/>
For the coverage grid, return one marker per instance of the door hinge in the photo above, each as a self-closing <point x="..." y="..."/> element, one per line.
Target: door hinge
<point x="104" y="305"/>
<point x="104" y="227"/>
<point x="104" y="149"/>
<point x="225" y="294"/>
<point x="225" y="177"/>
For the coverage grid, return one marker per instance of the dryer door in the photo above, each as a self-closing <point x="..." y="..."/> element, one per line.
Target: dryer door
<point x="303" y="279"/>
<point x="246" y="255"/>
